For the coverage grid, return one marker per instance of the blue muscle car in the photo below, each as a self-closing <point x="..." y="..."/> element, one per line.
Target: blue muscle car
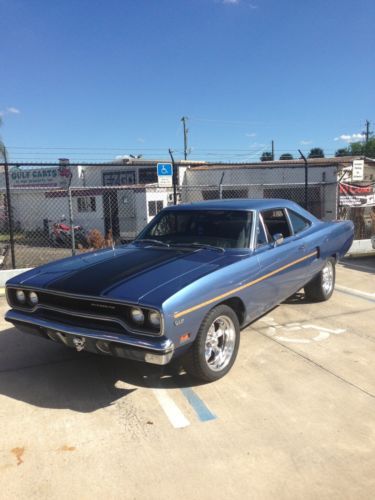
<point x="185" y="287"/>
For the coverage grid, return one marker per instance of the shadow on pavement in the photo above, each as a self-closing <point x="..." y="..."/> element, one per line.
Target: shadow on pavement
<point x="364" y="265"/>
<point x="49" y="375"/>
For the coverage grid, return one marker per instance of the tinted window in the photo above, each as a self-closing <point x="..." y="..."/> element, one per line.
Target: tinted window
<point x="224" y="228"/>
<point x="299" y="223"/>
<point x="276" y="222"/>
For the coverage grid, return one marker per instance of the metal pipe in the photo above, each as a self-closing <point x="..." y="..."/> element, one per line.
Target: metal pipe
<point x="306" y="179"/>
<point x="72" y="235"/>
<point x="174" y="178"/>
<point x="9" y="210"/>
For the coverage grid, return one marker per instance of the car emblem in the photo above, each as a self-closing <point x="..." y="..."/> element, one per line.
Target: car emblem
<point x="79" y="343"/>
<point x="104" y="306"/>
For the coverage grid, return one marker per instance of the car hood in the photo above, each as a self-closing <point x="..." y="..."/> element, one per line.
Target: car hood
<point x="127" y="273"/>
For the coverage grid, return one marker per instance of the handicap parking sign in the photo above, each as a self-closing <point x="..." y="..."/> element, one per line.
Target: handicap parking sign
<point x="165" y="174"/>
<point x="164" y="169"/>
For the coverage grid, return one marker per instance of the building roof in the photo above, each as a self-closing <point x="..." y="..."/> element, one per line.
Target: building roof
<point x="339" y="162"/>
<point x="235" y="204"/>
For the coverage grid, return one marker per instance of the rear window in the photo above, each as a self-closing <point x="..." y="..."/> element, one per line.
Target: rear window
<point x="298" y="222"/>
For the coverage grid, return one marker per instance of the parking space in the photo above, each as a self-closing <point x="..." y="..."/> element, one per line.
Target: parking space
<point x="293" y="419"/>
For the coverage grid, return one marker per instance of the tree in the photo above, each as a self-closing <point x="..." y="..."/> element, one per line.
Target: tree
<point x="266" y="156"/>
<point x="316" y="153"/>
<point x="359" y="149"/>
<point x="343" y="152"/>
<point x="286" y="156"/>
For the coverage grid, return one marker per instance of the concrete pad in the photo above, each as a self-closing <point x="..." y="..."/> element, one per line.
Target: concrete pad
<point x="293" y="419"/>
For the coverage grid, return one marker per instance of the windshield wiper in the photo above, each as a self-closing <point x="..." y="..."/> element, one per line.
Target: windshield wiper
<point x="196" y="244"/>
<point x="153" y="242"/>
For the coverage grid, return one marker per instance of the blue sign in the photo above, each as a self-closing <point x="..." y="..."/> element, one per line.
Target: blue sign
<point x="164" y="169"/>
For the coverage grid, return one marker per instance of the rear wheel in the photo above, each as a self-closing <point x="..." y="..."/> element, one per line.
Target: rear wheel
<point x="321" y="287"/>
<point x="215" y="349"/>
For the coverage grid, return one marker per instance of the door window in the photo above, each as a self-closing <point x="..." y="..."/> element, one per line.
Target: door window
<point x="276" y="222"/>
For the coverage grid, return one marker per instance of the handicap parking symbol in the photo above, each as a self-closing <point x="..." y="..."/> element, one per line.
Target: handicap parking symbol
<point x="164" y="169"/>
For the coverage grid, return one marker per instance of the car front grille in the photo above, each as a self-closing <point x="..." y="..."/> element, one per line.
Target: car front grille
<point x="93" y="313"/>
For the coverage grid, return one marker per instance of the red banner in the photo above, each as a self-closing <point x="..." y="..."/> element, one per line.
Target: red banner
<point x="356" y="196"/>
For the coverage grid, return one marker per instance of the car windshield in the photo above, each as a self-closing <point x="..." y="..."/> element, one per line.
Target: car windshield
<point x="215" y="228"/>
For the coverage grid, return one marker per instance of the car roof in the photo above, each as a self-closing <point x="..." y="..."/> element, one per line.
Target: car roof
<point x="237" y="204"/>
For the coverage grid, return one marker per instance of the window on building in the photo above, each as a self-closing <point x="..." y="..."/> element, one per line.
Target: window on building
<point x="86" y="204"/>
<point x="210" y="194"/>
<point x="147" y="175"/>
<point x="119" y="178"/>
<point x="234" y="193"/>
<point x="298" y="222"/>
<point x="276" y="222"/>
<point x="154" y="207"/>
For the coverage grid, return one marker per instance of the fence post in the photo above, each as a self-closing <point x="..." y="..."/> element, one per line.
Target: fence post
<point x="9" y="210"/>
<point x="221" y="186"/>
<point x="71" y="219"/>
<point x="174" y="178"/>
<point x="306" y="180"/>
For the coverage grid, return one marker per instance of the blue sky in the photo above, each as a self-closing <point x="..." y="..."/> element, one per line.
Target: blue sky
<point x="116" y="76"/>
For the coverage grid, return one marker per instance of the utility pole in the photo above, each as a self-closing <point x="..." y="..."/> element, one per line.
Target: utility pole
<point x="367" y="131"/>
<point x="273" y="150"/>
<point x="186" y="130"/>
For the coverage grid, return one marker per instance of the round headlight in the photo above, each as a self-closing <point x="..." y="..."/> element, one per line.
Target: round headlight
<point x="137" y="315"/>
<point x="21" y="297"/>
<point x="33" y="298"/>
<point x="154" y="318"/>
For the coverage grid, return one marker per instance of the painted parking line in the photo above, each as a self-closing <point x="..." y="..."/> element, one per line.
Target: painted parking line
<point x="203" y="412"/>
<point x="356" y="293"/>
<point x="172" y="411"/>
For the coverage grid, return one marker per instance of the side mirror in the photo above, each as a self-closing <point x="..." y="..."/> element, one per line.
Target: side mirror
<point x="278" y="238"/>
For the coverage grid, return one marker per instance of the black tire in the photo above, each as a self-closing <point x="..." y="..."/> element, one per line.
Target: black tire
<point x="195" y="362"/>
<point x="318" y="289"/>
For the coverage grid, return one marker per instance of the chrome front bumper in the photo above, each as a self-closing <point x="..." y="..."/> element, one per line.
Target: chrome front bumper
<point x="155" y="351"/>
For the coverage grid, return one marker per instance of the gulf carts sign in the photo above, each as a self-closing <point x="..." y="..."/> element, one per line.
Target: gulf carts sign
<point x="40" y="177"/>
<point x="356" y="196"/>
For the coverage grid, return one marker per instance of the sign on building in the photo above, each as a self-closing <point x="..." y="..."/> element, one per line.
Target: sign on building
<point x="357" y="170"/>
<point x="165" y="174"/>
<point x="356" y="196"/>
<point x="57" y="177"/>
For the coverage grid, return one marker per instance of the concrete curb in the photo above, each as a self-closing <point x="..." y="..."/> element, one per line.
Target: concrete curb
<point x="5" y="275"/>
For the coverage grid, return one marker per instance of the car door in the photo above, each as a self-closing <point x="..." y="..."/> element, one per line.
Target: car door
<point x="307" y="238"/>
<point x="282" y="265"/>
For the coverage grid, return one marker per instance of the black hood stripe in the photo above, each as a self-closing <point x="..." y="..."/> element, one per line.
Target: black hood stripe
<point x="99" y="278"/>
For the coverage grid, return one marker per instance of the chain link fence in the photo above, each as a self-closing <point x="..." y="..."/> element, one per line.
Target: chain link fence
<point x="321" y="197"/>
<point x="98" y="208"/>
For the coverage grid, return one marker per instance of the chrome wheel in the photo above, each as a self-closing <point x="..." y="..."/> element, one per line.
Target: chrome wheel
<point x="220" y="343"/>
<point x="327" y="277"/>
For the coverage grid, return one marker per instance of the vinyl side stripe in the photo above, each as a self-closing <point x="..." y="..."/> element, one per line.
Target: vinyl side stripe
<point x="242" y="287"/>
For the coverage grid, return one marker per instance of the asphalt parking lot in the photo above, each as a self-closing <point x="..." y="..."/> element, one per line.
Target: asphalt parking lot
<point x="295" y="418"/>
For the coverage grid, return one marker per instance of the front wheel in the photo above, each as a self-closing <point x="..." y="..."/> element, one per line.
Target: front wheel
<point x="215" y="349"/>
<point x="321" y="287"/>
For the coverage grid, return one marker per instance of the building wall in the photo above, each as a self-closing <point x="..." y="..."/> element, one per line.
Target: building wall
<point x="266" y="182"/>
